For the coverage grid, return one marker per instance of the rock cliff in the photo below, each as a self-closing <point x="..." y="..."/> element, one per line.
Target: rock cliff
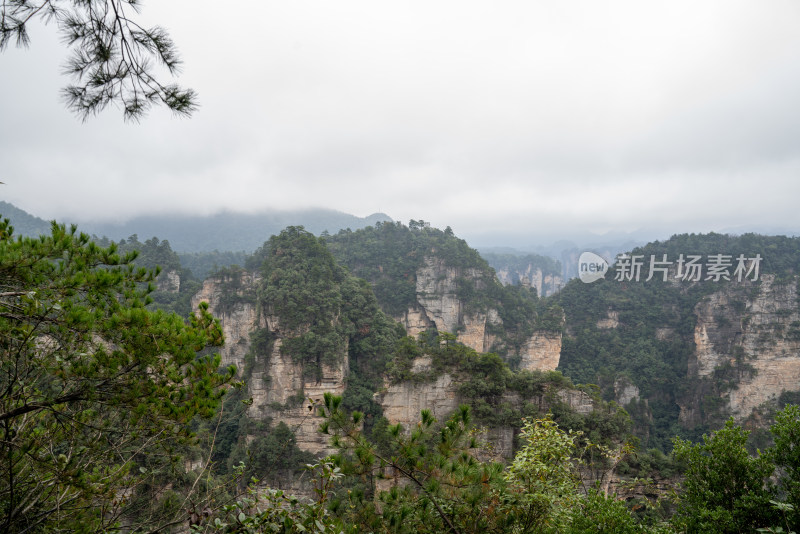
<point x="749" y="335"/>
<point x="278" y="386"/>
<point x="402" y="403"/>
<point x="542" y="352"/>
<point x="281" y="392"/>
<point x="236" y="312"/>
<point x="439" y="305"/>
<point x="169" y="281"/>
<point x="269" y="326"/>
<point x="545" y="284"/>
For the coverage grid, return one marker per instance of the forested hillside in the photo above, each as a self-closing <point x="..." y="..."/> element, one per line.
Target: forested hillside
<point x="299" y="325"/>
<point x="426" y="277"/>
<point x="175" y="285"/>
<point x="680" y="353"/>
<point x="390" y="378"/>
<point x="24" y="223"/>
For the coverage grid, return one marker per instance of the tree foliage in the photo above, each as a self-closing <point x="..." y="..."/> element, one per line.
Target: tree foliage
<point x="95" y="389"/>
<point x="436" y="485"/>
<point x="157" y="255"/>
<point x="435" y="477"/>
<point x="542" y="478"/>
<point x="270" y="510"/>
<point x="112" y="58"/>
<point x="323" y="312"/>
<point x="786" y="456"/>
<point x="725" y="489"/>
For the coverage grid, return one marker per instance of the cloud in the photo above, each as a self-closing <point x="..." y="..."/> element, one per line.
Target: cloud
<point x="517" y="116"/>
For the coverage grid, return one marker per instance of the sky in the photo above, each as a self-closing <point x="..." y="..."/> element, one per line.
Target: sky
<point x="529" y="118"/>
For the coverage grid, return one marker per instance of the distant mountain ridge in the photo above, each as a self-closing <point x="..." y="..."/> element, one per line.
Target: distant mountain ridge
<point x="23" y="222"/>
<point x="223" y="231"/>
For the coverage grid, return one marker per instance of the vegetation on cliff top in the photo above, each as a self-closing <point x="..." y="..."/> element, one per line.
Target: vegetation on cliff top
<point x="323" y="311"/>
<point x="390" y="256"/>
<point x="651" y="341"/>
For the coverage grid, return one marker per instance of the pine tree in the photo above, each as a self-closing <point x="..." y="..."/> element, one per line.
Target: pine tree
<point x="113" y="56"/>
<point x="95" y="389"/>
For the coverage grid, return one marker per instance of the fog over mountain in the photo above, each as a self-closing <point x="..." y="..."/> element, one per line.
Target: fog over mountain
<point x="522" y="123"/>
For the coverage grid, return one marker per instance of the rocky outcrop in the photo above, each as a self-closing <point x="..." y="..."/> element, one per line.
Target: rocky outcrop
<point x="542" y="352"/>
<point x="278" y="386"/>
<point x="437" y="287"/>
<point x="625" y="391"/>
<point x="403" y="402"/>
<point x="439" y="306"/>
<point x="416" y="321"/>
<point x="610" y="321"/>
<point x="580" y="401"/>
<point x="280" y="391"/>
<point x="169" y="281"/>
<point x="475" y="332"/>
<point x="750" y="334"/>
<point x="237" y="316"/>
<point x="533" y="277"/>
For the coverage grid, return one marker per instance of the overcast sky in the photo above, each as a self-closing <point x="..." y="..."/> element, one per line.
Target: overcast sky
<point x="509" y="116"/>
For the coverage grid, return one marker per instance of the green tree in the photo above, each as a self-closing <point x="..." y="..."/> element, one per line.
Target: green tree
<point x="272" y="510"/>
<point x="95" y="389"/>
<point x="786" y="455"/>
<point x="602" y="514"/>
<point x="436" y="484"/>
<point x="725" y="489"/>
<point x="112" y="54"/>
<point x="436" y="478"/>
<point x="542" y="479"/>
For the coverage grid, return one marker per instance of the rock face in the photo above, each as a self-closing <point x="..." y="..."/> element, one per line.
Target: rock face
<point x="416" y="321"/>
<point x="579" y="401"/>
<point x="436" y="293"/>
<point x="281" y="392"/>
<point x="542" y="352"/>
<point x="237" y="320"/>
<point x="544" y="284"/>
<point x="625" y="391"/>
<point x="750" y="333"/>
<point x="277" y="384"/>
<point x="438" y="305"/>
<point x="611" y="321"/>
<point x="403" y="402"/>
<point x="169" y="282"/>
